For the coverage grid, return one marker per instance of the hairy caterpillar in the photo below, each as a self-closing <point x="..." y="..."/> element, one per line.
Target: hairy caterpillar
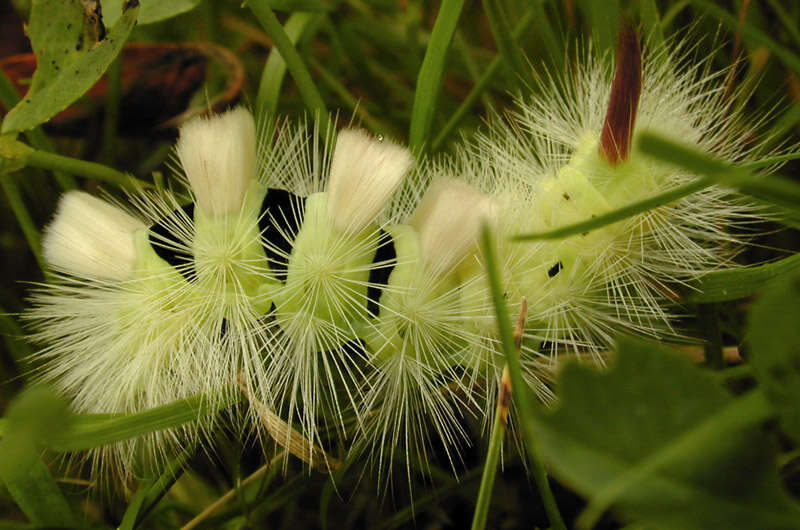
<point x="349" y="297"/>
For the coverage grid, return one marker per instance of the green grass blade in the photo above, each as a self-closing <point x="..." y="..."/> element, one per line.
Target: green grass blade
<point x="775" y="190"/>
<point x="373" y="124"/>
<point x="511" y="53"/>
<point x="33" y="488"/>
<point x="481" y="85"/>
<point x="751" y="33"/>
<point x="603" y="18"/>
<point x="554" y="45"/>
<point x="431" y="75"/>
<point x="721" y="286"/>
<point x="621" y="213"/>
<point x="409" y="512"/>
<point x="269" y="88"/>
<point x="785" y="18"/>
<point x="522" y="394"/>
<point x="151" y="491"/>
<point x="651" y="22"/>
<point x="484" y="501"/>
<point x="300" y="74"/>
<point x="135" y="505"/>
<point x="93" y="430"/>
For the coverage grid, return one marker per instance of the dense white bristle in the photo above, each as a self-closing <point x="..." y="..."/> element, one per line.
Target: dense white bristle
<point x="448" y="221"/>
<point x="218" y="155"/>
<point x="90" y="238"/>
<point x="364" y="173"/>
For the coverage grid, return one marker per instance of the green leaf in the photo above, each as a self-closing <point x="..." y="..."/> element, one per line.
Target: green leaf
<point x="603" y="18"/>
<point x="269" y="89"/>
<point x="501" y="31"/>
<point x="619" y="214"/>
<point x="774" y="336"/>
<point x="294" y="63"/>
<point x="482" y="83"/>
<point x="151" y="490"/>
<point x="316" y="6"/>
<point x="775" y="190"/>
<point x="157" y="10"/>
<point x="31" y="416"/>
<point x="721" y="286"/>
<point x="72" y="53"/>
<point x="431" y="75"/>
<point x="149" y="10"/>
<point x="93" y="430"/>
<point x="661" y="440"/>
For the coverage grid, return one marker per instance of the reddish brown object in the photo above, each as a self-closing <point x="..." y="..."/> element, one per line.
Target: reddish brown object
<point x="157" y="83"/>
<point x="615" y="141"/>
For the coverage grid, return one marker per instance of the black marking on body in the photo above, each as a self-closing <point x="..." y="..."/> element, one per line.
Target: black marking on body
<point x="555" y="269"/>
<point x="281" y="216"/>
<point x="379" y="276"/>
<point x="167" y="245"/>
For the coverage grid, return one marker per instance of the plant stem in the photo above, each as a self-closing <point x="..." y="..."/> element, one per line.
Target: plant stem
<point x="709" y="322"/>
<point x="24" y="218"/>
<point x="52" y="161"/>
<point x="522" y="397"/>
<point x="498" y="430"/>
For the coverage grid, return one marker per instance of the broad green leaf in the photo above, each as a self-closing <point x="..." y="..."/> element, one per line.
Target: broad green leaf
<point x="774" y="336"/>
<point x="721" y="286"/>
<point x="31" y="416"/>
<point x="72" y="53"/>
<point x="149" y="10"/>
<point x="659" y="439"/>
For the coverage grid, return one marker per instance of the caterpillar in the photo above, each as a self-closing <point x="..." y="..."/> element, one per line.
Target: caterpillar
<point x="342" y="287"/>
